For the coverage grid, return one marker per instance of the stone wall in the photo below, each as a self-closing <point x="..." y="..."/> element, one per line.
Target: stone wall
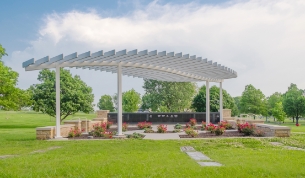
<point x="274" y="130"/>
<point x="76" y="123"/>
<point x="102" y="113"/>
<point x="89" y="125"/>
<point x="44" y="133"/>
<point x="226" y="113"/>
<point x="49" y="132"/>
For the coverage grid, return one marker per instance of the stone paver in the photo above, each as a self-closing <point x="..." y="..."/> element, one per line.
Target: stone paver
<point x="187" y="149"/>
<point x="287" y="147"/>
<point x="293" y="148"/>
<point x="6" y="156"/>
<point x="276" y="143"/>
<point x="48" y="149"/>
<point x="209" y="164"/>
<point x="198" y="156"/>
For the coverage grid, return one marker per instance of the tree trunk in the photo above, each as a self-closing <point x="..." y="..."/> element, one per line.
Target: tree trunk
<point x="293" y="119"/>
<point x="297" y="120"/>
<point x="274" y="119"/>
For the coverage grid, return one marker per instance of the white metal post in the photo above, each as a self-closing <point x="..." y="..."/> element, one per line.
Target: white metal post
<point x="58" y="102"/>
<point x="220" y="102"/>
<point x="119" y="96"/>
<point x="207" y="102"/>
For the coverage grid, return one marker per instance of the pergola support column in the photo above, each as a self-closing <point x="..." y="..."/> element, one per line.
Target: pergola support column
<point x="119" y="100"/>
<point x="57" y="84"/>
<point x="220" y="102"/>
<point x="207" y="103"/>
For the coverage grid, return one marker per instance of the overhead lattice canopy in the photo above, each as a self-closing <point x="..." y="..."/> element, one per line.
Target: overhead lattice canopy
<point x="150" y="65"/>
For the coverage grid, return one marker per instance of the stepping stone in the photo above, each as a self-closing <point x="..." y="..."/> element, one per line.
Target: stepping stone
<point x="294" y="148"/>
<point x="276" y="143"/>
<point x="197" y="156"/>
<point x="6" y="156"/>
<point x="187" y="149"/>
<point x="209" y="164"/>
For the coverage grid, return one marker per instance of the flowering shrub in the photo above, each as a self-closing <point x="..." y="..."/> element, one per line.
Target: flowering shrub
<point x="178" y="126"/>
<point x="225" y="124"/>
<point x="203" y="125"/>
<point x="109" y="124"/>
<point x="98" y="129"/>
<point x="107" y="134"/>
<point x="191" y="132"/>
<point x="211" y="128"/>
<point x="148" y="130"/>
<point x="125" y="126"/>
<point x="259" y="133"/>
<point x="162" y="128"/>
<point x="143" y="125"/>
<point x="74" y="133"/>
<point x="219" y="130"/>
<point x="192" y="122"/>
<point x="297" y="124"/>
<point x="246" y="128"/>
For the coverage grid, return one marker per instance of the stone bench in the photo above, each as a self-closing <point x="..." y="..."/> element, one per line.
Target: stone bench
<point x="274" y="130"/>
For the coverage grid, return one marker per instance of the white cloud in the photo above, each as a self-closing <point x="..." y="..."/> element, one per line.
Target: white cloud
<point x="262" y="40"/>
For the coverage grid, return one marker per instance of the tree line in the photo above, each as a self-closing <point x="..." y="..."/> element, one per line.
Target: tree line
<point x="159" y="96"/>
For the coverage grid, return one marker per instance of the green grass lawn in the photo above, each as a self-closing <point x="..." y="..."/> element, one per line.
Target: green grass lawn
<point x="245" y="157"/>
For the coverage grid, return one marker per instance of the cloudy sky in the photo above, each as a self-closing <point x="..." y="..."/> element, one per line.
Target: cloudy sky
<point x="263" y="40"/>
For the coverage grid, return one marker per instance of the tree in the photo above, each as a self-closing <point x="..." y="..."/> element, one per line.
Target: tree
<point x="253" y="101"/>
<point x="11" y="97"/>
<point x="237" y="102"/>
<point x="131" y="101"/>
<point x="271" y="102"/>
<point x="278" y="112"/>
<point x="294" y="102"/>
<point x="199" y="101"/>
<point x="2" y="52"/>
<point x="164" y="96"/>
<point x="105" y="103"/>
<point x="75" y="95"/>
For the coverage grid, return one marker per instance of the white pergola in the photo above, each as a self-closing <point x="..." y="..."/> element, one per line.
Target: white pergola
<point x="174" y="67"/>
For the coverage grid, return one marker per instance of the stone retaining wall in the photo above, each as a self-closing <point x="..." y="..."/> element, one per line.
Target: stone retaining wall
<point x="49" y="132"/>
<point x="274" y="130"/>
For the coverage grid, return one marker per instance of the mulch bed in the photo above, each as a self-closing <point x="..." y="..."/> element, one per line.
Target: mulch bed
<point x="212" y="135"/>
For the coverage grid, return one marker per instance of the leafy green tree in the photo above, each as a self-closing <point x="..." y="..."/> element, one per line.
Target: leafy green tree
<point x="131" y="101"/>
<point x="2" y="52"/>
<point x="168" y="96"/>
<point x="253" y="101"/>
<point x="75" y="95"/>
<point x="237" y="102"/>
<point x="105" y="103"/>
<point x="271" y="102"/>
<point x="11" y="97"/>
<point x="278" y="112"/>
<point x="199" y="101"/>
<point x="294" y="102"/>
